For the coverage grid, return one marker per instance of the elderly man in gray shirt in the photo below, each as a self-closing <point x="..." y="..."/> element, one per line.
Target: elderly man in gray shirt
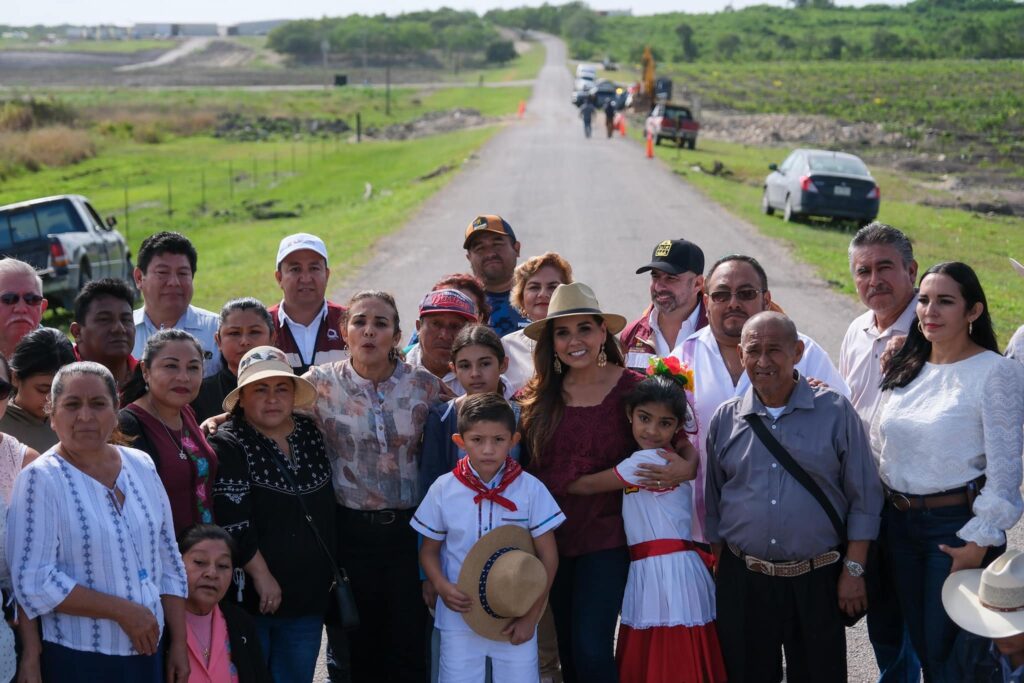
<point x="782" y="580"/>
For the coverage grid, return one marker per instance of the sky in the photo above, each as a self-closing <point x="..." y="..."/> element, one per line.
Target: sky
<point x="123" y="12"/>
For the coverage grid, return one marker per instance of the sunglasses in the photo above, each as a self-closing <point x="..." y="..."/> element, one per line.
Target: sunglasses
<point x="6" y="389"/>
<point x="724" y="296"/>
<point x="12" y="298"/>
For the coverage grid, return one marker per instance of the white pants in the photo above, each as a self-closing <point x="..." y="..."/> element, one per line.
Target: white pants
<point x="463" y="655"/>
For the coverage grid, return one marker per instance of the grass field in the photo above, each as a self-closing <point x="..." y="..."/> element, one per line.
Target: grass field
<point x="985" y="242"/>
<point x="326" y="188"/>
<point x="111" y="46"/>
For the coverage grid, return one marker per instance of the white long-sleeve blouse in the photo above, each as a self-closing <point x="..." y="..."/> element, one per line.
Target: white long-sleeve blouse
<point x="952" y="424"/>
<point x="65" y="530"/>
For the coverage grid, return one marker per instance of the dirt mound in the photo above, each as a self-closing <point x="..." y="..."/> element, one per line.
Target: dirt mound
<point x="235" y="126"/>
<point x="773" y="129"/>
<point x="430" y="123"/>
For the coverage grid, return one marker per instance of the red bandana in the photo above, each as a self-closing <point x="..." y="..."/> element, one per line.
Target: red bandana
<point x="464" y="474"/>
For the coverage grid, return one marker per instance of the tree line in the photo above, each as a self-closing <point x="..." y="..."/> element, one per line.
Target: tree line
<point x="810" y="29"/>
<point x="416" y="37"/>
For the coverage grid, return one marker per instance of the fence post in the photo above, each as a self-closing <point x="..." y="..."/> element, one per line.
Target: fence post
<point x="170" y="205"/>
<point x="359" y="127"/>
<point x="293" y="156"/>
<point x="202" y="182"/>
<point x="254" y="171"/>
<point x="231" y="181"/>
<point x="309" y="154"/>
<point x="127" y="230"/>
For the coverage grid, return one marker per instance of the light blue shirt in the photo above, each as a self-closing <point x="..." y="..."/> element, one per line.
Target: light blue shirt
<point x="198" y="322"/>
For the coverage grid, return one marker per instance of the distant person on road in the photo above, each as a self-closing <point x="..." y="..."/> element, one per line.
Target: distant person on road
<point x="676" y="309"/>
<point x="37" y="358"/>
<point x="736" y="289"/>
<point x="587" y="114"/>
<point x="536" y="280"/>
<point x="609" y="117"/>
<point x="104" y="329"/>
<point x="166" y="267"/>
<point x="948" y="439"/>
<point x="884" y="271"/>
<point x="307" y="326"/>
<point x="492" y="251"/>
<point x="443" y="314"/>
<point x="21" y="302"/>
<point x="785" y="579"/>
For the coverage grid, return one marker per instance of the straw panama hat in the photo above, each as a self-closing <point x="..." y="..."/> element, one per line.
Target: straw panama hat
<point x="264" y="362"/>
<point x="988" y="602"/>
<point x="574" y="299"/>
<point x="503" y="578"/>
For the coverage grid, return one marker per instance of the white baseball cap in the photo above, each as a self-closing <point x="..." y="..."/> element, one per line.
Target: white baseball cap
<point x="298" y="242"/>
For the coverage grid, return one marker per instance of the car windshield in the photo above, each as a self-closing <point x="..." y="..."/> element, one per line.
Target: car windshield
<point x="828" y="163"/>
<point x="678" y="113"/>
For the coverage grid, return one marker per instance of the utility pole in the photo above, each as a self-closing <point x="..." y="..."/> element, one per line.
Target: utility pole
<point x="325" y="47"/>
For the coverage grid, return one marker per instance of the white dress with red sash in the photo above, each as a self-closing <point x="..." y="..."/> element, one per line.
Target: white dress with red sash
<point x="668" y="611"/>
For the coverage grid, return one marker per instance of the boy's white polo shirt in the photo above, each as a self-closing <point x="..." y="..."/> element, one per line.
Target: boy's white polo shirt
<point x="448" y="514"/>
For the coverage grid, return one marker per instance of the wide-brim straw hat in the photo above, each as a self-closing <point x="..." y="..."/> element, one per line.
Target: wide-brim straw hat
<point x="264" y="362"/>
<point x="503" y="579"/>
<point x="574" y="299"/>
<point x="988" y="602"/>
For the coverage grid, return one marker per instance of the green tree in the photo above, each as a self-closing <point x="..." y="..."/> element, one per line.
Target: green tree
<point x="581" y="25"/>
<point x="885" y="44"/>
<point x="728" y="45"/>
<point x="501" y="51"/>
<point x="834" y="46"/>
<point x="685" y="34"/>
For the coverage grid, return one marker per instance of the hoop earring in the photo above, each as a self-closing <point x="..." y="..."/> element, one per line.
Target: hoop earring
<point x="920" y="327"/>
<point x="602" y="359"/>
<point x="393" y="354"/>
<point x="558" y="366"/>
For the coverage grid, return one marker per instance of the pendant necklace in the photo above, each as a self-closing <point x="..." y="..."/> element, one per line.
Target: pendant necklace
<point x="180" y="443"/>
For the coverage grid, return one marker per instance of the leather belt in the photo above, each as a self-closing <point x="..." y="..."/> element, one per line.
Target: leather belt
<point x="929" y="501"/>
<point x="381" y="517"/>
<point x="786" y="569"/>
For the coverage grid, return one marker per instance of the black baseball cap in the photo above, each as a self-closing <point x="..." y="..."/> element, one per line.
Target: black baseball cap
<point x="675" y="257"/>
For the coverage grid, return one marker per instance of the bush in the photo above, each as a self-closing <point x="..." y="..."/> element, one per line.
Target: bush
<point x="501" y="51"/>
<point x="582" y="49"/>
<point x="50" y="146"/>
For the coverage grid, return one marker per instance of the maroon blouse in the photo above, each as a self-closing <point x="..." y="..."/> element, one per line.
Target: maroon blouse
<point x="588" y="439"/>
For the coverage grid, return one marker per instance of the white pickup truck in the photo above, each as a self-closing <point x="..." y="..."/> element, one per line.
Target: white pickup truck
<point x="66" y="241"/>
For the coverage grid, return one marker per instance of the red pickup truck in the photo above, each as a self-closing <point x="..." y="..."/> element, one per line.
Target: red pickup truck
<point x="673" y="122"/>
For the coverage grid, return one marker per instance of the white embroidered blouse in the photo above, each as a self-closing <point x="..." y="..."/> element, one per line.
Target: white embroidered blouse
<point x="65" y="530"/>
<point x="952" y="424"/>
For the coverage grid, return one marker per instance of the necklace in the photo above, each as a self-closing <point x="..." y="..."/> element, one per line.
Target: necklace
<point x="180" y="443"/>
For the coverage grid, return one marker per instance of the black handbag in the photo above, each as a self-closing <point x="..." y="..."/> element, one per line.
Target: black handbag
<point x="347" y="614"/>
<point x="800" y="474"/>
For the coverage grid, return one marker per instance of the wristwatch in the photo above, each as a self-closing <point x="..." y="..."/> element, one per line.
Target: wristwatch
<point x="854" y="569"/>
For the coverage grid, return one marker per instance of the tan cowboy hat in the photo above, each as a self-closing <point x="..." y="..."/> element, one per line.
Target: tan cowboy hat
<point x="503" y="578"/>
<point x="264" y="362"/>
<point x="988" y="602"/>
<point x="574" y="299"/>
<point x="1017" y="266"/>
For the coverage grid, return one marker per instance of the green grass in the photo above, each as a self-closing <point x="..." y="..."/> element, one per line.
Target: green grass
<point x="110" y="46"/>
<point x="524" y="67"/>
<point x="938" y="234"/>
<point x="236" y="251"/>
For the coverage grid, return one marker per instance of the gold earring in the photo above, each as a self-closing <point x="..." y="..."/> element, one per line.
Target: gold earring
<point x="970" y="328"/>
<point x="558" y="366"/>
<point x="920" y="327"/>
<point x="602" y="359"/>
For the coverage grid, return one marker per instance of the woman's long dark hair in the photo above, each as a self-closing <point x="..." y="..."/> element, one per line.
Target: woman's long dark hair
<point x="542" y="400"/>
<point x="906" y="364"/>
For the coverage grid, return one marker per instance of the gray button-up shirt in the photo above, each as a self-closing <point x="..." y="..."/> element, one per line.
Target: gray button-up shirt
<point x="753" y="503"/>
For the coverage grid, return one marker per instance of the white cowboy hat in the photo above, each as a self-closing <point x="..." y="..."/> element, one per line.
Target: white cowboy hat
<point x="503" y="577"/>
<point x="574" y="299"/>
<point x="988" y="602"/>
<point x="264" y="362"/>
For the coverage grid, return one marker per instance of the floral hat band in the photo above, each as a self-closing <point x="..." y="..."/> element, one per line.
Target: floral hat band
<point x="672" y="368"/>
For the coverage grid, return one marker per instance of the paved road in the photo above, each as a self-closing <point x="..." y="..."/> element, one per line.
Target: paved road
<point x="179" y="52"/>
<point x="604" y="206"/>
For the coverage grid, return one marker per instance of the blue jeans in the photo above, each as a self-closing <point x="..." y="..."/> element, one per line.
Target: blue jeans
<point x="919" y="569"/>
<point x="60" y="663"/>
<point x="890" y="638"/>
<point x="290" y="646"/>
<point x="585" y="600"/>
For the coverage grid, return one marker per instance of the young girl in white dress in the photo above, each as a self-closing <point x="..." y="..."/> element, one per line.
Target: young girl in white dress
<point x="668" y="612"/>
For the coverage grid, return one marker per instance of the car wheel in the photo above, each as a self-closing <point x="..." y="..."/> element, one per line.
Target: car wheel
<point x="766" y="207"/>
<point x="788" y="214"/>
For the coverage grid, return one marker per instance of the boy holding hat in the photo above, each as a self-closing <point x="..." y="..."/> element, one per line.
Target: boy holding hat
<point x="491" y="576"/>
<point x="988" y="604"/>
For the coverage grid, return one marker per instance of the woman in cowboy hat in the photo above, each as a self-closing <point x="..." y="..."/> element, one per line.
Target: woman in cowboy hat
<point x="574" y="423"/>
<point x="988" y="604"/>
<point x="269" y="455"/>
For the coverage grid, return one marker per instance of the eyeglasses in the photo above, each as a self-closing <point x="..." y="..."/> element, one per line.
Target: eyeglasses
<point x="6" y="389"/>
<point x="724" y="296"/>
<point x="12" y="298"/>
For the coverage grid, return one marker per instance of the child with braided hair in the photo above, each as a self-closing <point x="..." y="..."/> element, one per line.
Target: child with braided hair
<point x="668" y="612"/>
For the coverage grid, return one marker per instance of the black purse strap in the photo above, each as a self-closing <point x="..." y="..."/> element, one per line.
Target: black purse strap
<point x="797" y="472"/>
<point x="339" y="572"/>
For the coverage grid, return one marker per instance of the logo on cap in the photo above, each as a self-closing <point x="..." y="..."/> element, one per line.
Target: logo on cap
<point x="663" y="249"/>
<point x="480" y="222"/>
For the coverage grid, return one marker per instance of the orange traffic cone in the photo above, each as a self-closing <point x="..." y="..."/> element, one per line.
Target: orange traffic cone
<point x="522" y="108"/>
<point x="622" y="126"/>
<point x="650" y="146"/>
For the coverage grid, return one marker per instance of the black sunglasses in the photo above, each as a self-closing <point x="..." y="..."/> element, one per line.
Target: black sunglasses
<point x="724" y="296"/>
<point x="11" y="298"/>
<point x="6" y="389"/>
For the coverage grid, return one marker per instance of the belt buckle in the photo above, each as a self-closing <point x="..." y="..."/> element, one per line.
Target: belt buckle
<point x="760" y="566"/>
<point x="387" y="517"/>
<point x="899" y="501"/>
